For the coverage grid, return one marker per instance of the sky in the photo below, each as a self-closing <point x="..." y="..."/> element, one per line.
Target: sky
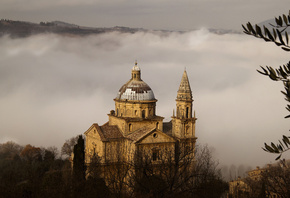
<point x="54" y="87"/>
<point x="150" y="14"/>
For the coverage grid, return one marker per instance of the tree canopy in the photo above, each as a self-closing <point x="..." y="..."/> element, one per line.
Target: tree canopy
<point x="278" y="35"/>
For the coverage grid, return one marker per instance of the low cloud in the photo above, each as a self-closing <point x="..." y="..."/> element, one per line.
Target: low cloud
<point x="53" y="87"/>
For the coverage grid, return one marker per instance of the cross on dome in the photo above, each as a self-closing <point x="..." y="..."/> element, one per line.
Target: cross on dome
<point x="136" y="68"/>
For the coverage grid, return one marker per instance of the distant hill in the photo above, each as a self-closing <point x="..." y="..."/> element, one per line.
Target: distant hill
<point x="24" y="29"/>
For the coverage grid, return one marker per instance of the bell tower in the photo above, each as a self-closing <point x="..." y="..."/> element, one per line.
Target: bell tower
<point x="183" y="123"/>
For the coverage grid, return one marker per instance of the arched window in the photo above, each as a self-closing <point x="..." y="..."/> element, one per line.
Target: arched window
<point x="157" y="125"/>
<point x="143" y="113"/>
<point x="155" y="154"/>
<point x="187" y="130"/>
<point x="187" y="112"/>
<point x="117" y="113"/>
<point x="130" y="127"/>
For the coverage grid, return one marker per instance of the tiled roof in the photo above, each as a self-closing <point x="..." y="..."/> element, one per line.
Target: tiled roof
<point x="129" y="119"/>
<point x="139" y="133"/>
<point x="111" y="132"/>
<point x="107" y="132"/>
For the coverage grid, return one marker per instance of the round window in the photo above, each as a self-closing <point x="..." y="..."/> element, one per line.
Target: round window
<point x="155" y="135"/>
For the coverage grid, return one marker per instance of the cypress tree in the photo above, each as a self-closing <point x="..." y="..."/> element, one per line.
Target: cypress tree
<point x="79" y="169"/>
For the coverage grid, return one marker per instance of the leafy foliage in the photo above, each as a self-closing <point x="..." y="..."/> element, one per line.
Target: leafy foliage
<point x="279" y="36"/>
<point x="32" y="172"/>
<point x="280" y="74"/>
<point x="39" y="172"/>
<point x="278" y="148"/>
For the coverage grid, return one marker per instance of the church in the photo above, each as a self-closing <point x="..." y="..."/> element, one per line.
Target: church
<point x="133" y="126"/>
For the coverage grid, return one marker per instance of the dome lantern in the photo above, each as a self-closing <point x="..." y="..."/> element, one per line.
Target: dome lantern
<point x="136" y="72"/>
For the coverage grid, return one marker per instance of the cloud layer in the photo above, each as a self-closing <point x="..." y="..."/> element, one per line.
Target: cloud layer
<point x="53" y="88"/>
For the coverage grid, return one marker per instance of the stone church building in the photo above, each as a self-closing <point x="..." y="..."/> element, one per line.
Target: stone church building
<point x="133" y="125"/>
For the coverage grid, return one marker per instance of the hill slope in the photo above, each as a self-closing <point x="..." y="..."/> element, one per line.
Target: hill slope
<point x="24" y="29"/>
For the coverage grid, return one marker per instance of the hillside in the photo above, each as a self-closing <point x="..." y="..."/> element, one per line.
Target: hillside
<point x="24" y="29"/>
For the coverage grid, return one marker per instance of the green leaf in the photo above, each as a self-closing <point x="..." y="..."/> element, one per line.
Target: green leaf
<point x="277" y="21"/>
<point x="285" y="19"/>
<point x="284" y="93"/>
<point x="274" y="147"/>
<point x="245" y="29"/>
<point x="281" y="146"/>
<point x="280" y="21"/>
<point x="286" y="140"/>
<point x="274" y="34"/>
<point x="283" y="74"/>
<point x="250" y="28"/>
<point x="265" y="72"/>
<point x="269" y="149"/>
<point x="278" y="157"/>
<point x="269" y="34"/>
<point x="285" y="144"/>
<point x="259" y="31"/>
<point x="286" y="49"/>
<point x="272" y="74"/>
<point x="272" y="70"/>
<point x="280" y="37"/>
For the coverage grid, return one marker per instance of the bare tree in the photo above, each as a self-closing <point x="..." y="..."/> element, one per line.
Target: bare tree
<point x="179" y="172"/>
<point x="207" y="176"/>
<point x="68" y="146"/>
<point x="276" y="180"/>
<point x="10" y="149"/>
<point x="117" y="170"/>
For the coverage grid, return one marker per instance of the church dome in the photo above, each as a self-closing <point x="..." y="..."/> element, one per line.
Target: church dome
<point x="135" y="88"/>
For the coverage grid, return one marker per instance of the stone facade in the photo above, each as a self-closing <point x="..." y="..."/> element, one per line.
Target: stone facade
<point x="133" y="125"/>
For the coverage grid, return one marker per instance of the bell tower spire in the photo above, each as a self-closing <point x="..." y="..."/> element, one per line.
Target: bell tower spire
<point x="183" y="124"/>
<point x="184" y="98"/>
